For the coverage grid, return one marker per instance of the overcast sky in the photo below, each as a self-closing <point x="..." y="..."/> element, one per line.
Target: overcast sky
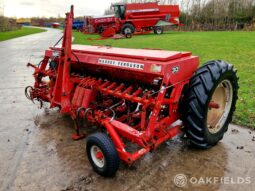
<point x="48" y="8"/>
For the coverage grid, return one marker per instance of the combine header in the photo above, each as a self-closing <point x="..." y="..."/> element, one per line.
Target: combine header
<point x="141" y="96"/>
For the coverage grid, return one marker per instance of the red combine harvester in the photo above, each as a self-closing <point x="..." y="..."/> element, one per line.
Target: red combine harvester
<point x="134" y="17"/>
<point x="134" y="96"/>
<point x="145" y="17"/>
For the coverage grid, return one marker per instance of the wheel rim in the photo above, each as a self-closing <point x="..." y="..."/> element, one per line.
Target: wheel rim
<point x="219" y="106"/>
<point x="97" y="156"/>
<point x="158" y="31"/>
<point x="127" y="30"/>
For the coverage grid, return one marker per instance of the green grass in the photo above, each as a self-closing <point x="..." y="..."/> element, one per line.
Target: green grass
<point x="237" y="48"/>
<point x="18" y="33"/>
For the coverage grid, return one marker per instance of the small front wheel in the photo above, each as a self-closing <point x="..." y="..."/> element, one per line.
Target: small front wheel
<point x="100" y="29"/>
<point x="127" y="29"/>
<point x="102" y="154"/>
<point x="158" y="30"/>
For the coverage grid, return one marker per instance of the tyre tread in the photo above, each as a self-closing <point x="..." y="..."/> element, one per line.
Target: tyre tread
<point x="108" y="148"/>
<point x="201" y="86"/>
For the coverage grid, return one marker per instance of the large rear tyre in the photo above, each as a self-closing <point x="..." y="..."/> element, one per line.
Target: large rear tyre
<point x="102" y="154"/>
<point x="210" y="103"/>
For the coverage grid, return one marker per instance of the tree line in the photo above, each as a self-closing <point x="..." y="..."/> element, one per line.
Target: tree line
<point x="212" y="14"/>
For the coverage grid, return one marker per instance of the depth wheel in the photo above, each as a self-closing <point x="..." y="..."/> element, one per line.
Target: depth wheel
<point x="102" y="154"/>
<point x="210" y="103"/>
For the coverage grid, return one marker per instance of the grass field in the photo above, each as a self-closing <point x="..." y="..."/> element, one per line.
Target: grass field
<point x="237" y="48"/>
<point x="18" y="33"/>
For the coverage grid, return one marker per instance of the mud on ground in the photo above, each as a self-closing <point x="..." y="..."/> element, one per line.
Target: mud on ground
<point x="52" y="161"/>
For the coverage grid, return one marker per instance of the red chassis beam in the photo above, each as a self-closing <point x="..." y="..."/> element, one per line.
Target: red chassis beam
<point x="115" y="129"/>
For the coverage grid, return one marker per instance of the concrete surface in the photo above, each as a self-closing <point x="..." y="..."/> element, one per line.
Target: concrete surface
<point x="37" y="153"/>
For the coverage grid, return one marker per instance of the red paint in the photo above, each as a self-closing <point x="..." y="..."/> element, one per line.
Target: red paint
<point x="214" y="105"/>
<point x="143" y="15"/>
<point x="99" y="155"/>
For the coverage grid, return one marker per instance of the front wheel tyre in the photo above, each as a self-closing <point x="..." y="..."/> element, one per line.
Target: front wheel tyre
<point x="100" y="29"/>
<point x="158" y="30"/>
<point x="210" y="103"/>
<point x="127" y="29"/>
<point x="102" y="154"/>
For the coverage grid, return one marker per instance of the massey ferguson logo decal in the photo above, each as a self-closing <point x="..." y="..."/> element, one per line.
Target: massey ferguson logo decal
<point x="175" y="69"/>
<point x="121" y="64"/>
